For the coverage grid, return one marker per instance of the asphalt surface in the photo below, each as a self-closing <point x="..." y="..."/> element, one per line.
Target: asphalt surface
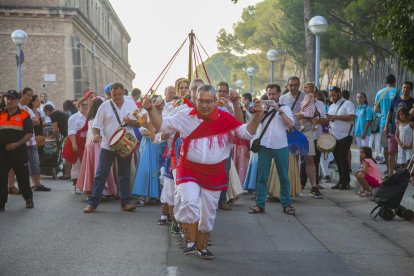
<point x="330" y="236"/>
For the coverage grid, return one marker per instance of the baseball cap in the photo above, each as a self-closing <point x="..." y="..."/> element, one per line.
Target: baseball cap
<point x="12" y="93"/>
<point x="107" y="88"/>
<point x="87" y="94"/>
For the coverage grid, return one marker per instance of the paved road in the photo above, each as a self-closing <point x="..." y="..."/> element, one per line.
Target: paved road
<point x="332" y="236"/>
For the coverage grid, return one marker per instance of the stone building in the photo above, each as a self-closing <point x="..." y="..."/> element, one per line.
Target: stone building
<point x="72" y="46"/>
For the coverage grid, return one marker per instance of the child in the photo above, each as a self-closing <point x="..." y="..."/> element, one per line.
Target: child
<point x="368" y="175"/>
<point x="404" y="137"/>
<point x="308" y="106"/>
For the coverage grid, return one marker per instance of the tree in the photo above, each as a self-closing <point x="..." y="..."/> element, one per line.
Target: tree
<point x="395" y="21"/>
<point x="309" y="12"/>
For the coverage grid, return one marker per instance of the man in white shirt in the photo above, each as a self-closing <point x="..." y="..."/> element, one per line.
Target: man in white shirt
<point x="274" y="145"/>
<point x="43" y="102"/>
<point x="34" y="161"/>
<point x="207" y="141"/>
<point x="341" y="115"/>
<point x="105" y="125"/>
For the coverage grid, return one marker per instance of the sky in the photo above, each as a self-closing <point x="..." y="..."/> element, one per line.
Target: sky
<point x="158" y="27"/>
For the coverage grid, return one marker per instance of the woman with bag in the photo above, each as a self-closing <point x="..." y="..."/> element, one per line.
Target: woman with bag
<point x="363" y="120"/>
<point x="34" y="166"/>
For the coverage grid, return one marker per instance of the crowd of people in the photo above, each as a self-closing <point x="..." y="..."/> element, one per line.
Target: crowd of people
<point x="199" y="147"/>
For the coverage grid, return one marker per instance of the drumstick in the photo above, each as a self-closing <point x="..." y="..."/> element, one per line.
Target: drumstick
<point x="123" y="122"/>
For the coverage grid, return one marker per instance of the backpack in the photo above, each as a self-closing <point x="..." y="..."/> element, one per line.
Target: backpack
<point x="375" y="123"/>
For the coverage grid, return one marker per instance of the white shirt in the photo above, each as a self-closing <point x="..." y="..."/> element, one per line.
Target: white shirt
<point x="106" y="122"/>
<point x="75" y="123"/>
<point x="31" y="141"/>
<point x="47" y="118"/>
<point x="199" y="150"/>
<point x="341" y="129"/>
<point x="320" y="106"/>
<point x="275" y="136"/>
<point x="288" y="100"/>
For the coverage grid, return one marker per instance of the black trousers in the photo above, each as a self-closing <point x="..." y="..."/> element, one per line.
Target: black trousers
<point x="316" y="160"/>
<point x="19" y="162"/>
<point x="341" y="157"/>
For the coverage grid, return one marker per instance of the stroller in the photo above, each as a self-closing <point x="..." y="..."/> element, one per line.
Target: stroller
<point x="390" y="194"/>
<point x="50" y="155"/>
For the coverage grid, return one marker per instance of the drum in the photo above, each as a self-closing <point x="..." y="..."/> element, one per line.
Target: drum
<point x="123" y="142"/>
<point x="326" y="143"/>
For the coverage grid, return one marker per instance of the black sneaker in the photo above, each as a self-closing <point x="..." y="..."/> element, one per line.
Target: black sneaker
<point x="42" y="188"/>
<point x="29" y="204"/>
<point x="189" y="250"/>
<point x="205" y="254"/>
<point x="315" y="193"/>
<point x="1" y="208"/>
<point x="336" y="187"/>
<point x="345" y="187"/>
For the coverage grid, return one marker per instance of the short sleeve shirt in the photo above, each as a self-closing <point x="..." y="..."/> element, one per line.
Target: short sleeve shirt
<point x="341" y="129"/>
<point x="363" y="114"/>
<point x="61" y="119"/>
<point x="395" y="105"/>
<point x="385" y="102"/>
<point x="289" y="100"/>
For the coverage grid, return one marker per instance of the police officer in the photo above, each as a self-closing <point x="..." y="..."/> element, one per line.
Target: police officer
<point x="15" y="130"/>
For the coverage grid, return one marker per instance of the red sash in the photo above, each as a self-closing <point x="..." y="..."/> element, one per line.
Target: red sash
<point x="68" y="154"/>
<point x="209" y="176"/>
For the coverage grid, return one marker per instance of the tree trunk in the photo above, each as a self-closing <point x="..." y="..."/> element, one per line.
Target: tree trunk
<point x="355" y="71"/>
<point x="281" y="71"/>
<point x="309" y="39"/>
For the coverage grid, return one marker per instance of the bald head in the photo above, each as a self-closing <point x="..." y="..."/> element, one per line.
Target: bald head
<point x="169" y="93"/>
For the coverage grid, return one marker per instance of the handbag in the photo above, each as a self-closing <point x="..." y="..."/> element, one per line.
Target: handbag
<point x="256" y="143"/>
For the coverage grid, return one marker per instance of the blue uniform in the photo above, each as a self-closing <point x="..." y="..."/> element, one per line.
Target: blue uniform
<point x="385" y="102"/>
<point x="363" y="114"/>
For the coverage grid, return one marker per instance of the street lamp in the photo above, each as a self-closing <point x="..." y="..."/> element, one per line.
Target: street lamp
<point x="19" y="38"/>
<point x="317" y="26"/>
<point x="271" y="56"/>
<point x="239" y="84"/>
<point x="250" y="71"/>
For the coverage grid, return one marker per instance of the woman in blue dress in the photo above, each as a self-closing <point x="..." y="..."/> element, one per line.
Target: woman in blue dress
<point x="251" y="176"/>
<point x="147" y="177"/>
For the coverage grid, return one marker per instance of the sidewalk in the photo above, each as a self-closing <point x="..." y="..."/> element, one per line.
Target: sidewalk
<point x="407" y="201"/>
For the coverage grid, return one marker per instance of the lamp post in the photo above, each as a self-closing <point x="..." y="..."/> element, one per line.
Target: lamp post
<point x="271" y="56"/>
<point x="239" y="84"/>
<point x="317" y="26"/>
<point x="250" y="71"/>
<point x="19" y="38"/>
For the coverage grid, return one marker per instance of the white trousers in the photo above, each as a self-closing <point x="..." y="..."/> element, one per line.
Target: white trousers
<point x="197" y="205"/>
<point x="74" y="173"/>
<point x="167" y="193"/>
<point x="325" y="162"/>
<point x="375" y="143"/>
<point x="362" y="142"/>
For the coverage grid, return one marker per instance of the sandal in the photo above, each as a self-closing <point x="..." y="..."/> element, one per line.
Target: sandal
<point x="256" y="210"/>
<point x="289" y="210"/>
<point x="365" y="194"/>
<point x="162" y="222"/>
<point x="14" y="191"/>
